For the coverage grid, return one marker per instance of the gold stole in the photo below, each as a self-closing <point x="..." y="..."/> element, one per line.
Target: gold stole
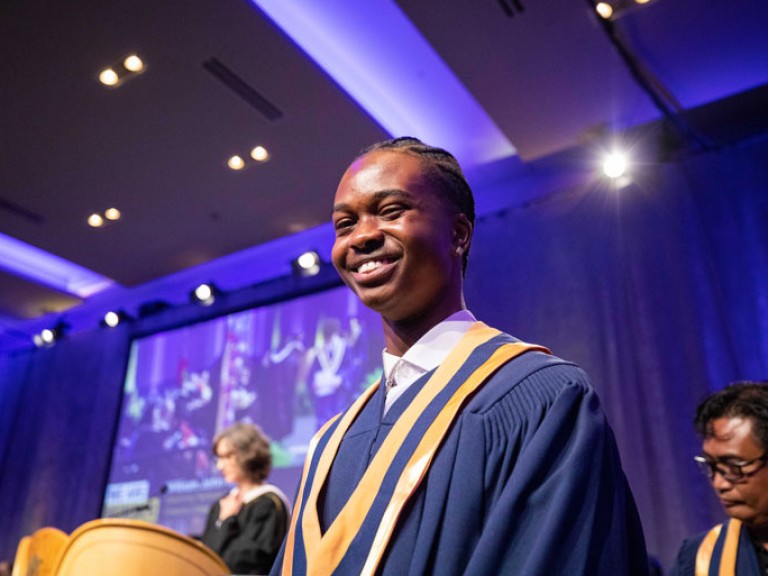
<point x="729" y="553"/>
<point x="324" y="552"/>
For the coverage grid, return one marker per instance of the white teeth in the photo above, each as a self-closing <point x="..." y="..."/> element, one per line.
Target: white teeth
<point x="370" y="266"/>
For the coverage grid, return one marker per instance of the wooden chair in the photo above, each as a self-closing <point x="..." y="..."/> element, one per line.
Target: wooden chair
<point x="38" y="553"/>
<point x="123" y="547"/>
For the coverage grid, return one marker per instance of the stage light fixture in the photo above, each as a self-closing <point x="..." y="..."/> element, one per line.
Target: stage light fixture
<point x="205" y="294"/>
<point x="604" y="9"/>
<point x="114" y="318"/>
<point x="49" y="336"/>
<point x="307" y="264"/>
<point x="613" y="9"/>
<point x="615" y="165"/>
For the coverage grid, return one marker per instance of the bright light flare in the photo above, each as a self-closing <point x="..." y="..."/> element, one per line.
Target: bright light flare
<point x="615" y="165"/>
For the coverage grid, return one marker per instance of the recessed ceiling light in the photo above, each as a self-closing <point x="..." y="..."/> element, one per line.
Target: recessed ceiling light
<point x="112" y="214"/>
<point x="95" y="220"/>
<point x="108" y="77"/>
<point x="236" y="163"/>
<point x="133" y="63"/>
<point x="260" y="154"/>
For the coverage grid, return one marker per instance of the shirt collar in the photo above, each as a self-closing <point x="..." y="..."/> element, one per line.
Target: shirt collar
<point x="432" y="348"/>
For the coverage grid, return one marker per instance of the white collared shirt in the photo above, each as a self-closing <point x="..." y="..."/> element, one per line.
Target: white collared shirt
<point x="426" y="354"/>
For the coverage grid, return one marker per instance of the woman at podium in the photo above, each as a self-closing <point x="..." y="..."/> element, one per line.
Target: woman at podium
<point x="247" y="526"/>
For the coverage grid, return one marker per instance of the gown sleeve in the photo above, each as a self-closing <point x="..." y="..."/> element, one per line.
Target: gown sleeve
<point x="557" y="500"/>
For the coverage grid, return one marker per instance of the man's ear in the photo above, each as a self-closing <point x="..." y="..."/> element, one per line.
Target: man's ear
<point x="462" y="234"/>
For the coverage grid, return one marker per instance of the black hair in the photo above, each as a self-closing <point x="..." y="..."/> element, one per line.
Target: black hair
<point x="739" y="400"/>
<point x="443" y="171"/>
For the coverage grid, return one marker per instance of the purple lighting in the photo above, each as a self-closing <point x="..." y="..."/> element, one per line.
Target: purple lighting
<point x="378" y="56"/>
<point x="40" y="266"/>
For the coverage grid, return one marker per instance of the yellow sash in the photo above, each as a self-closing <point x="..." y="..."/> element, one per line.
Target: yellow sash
<point x="728" y="555"/>
<point x="324" y="552"/>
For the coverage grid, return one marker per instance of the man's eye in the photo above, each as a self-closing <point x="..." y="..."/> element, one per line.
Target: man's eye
<point x="342" y="223"/>
<point x="392" y="211"/>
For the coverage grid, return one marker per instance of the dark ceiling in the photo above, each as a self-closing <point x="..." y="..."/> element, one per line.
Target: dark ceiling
<point x="549" y="73"/>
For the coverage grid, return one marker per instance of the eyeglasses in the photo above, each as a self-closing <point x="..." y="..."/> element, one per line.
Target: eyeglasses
<point x="731" y="470"/>
<point x="225" y="456"/>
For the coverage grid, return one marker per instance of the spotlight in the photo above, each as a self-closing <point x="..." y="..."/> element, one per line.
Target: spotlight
<point x="49" y="336"/>
<point x="114" y="318"/>
<point x="308" y="264"/>
<point x="614" y="9"/>
<point x="615" y="165"/>
<point x="205" y="294"/>
<point x="604" y="9"/>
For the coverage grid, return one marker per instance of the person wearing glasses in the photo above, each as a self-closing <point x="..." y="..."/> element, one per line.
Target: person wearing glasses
<point x="733" y="424"/>
<point x="247" y="526"/>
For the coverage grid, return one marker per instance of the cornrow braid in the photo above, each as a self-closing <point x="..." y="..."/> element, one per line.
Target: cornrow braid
<point x="443" y="171"/>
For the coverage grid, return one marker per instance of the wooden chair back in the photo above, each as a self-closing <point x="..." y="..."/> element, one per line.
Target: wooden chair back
<point x="38" y="553"/>
<point x="124" y="547"/>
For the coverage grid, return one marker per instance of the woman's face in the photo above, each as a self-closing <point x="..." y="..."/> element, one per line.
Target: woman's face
<point x="226" y="462"/>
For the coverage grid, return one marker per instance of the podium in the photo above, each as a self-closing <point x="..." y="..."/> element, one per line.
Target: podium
<point x="124" y="547"/>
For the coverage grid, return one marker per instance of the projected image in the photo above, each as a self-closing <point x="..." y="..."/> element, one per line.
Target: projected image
<point x="287" y="367"/>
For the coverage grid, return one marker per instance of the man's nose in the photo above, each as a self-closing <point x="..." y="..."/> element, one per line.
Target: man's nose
<point x="367" y="234"/>
<point x="720" y="483"/>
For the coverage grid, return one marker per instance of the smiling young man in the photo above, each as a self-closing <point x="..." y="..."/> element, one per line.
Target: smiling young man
<point x="733" y="424"/>
<point x="477" y="454"/>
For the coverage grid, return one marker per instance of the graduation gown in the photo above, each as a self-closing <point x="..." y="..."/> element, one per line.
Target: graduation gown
<point x="249" y="541"/>
<point x="712" y="553"/>
<point x="526" y="481"/>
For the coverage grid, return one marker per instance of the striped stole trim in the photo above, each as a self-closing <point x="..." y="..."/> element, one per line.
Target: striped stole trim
<point x="727" y="564"/>
<point x="383" y="484"/>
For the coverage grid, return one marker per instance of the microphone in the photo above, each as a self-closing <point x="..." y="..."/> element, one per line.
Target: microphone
<point x="130" y="512"/>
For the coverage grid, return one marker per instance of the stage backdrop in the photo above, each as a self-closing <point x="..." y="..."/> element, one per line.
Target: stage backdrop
<point x="659" y="291"/>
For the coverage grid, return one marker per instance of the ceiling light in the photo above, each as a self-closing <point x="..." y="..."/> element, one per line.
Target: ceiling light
<point x="113" y="318"/>
<point x="133" y="63"/>
<point x="49" y="336"/>
<point x="236" y="163"/>
<point x="307" y="264"/>
<point x="604" y="9"/>
<point x="204" y="294"/>
<point x="112" y="214"/>
<point x="121" y="71"/>
<point x="260" y="154"/>
<point x="95" y="220"/>
<point x="109" y="77"/>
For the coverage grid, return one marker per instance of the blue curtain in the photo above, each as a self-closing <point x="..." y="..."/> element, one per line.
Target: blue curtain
<point x="660" y="291"/>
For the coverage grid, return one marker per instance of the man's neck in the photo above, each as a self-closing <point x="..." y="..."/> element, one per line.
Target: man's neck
<point x="400" y="335"/>
<point x="759" y="534"/>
